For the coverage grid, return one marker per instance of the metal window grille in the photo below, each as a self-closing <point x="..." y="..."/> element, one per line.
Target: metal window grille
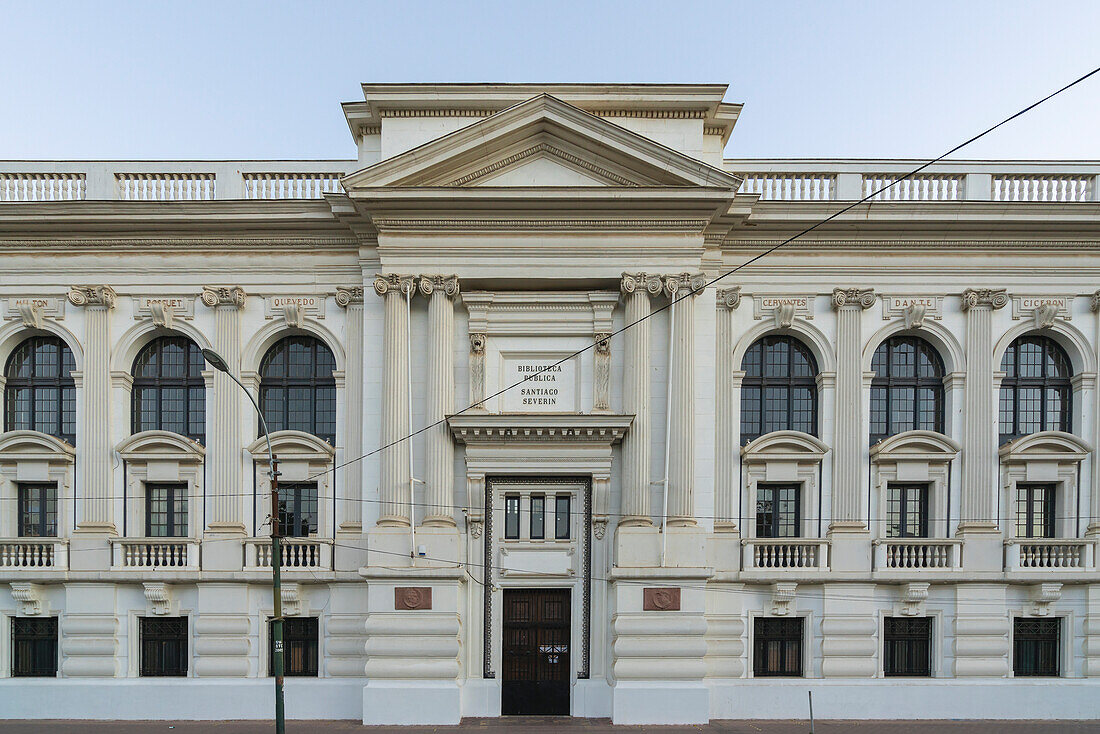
<point x="169" y="391"/>
<point x="1035" y="510"/>
<point x="300" y="645"/>
<point x="37" y="509"/>
<point x="297" y="387"/>
<point x="907" y="646"/>
<point x="34" y="646"/>
<point x="907" y="510"/>
<point x="907" y="389"/>
<point x="778" y="510"/>
<point x="779" y="390"/>
<point x="40" y="393"/>
<point x="164" y="646"/>
<point x="777" y="647"/>
<point x="1035" y="645"/>
<point x="298" y="509"/>
<point x="1036" y="391"/>
<point x="165" y="510"/>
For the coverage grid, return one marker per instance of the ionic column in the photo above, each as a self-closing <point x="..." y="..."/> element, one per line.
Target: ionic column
<point x="979" y="491"/>
<point x="637" y="288"/>
<point x="848" y="434"/>
<point x="224" y="440"/>
<point x="348" y="511"/>
<point x="725" y="487"/>
<point x="93" y="472"/>
<point x="439" y="450"/>
<point x="394" y="485"/>
<point x="681" y="459"/>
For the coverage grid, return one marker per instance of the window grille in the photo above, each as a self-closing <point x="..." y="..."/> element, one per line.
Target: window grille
<point x="300" y="636"/>
<point x="164" y="646"/>
<point x="34" y="646"/>
<point x="1035" y="647"/>
<point x="907" y="389"/>
<point x="169" y="391"/>
<point x="297" y="388"/>
<point x="1036" y="391"/>
<point x="779" y="390"/>
<point x="907" y="646"/>
<point x="777" y="647"/>
<point x="40" y="393"/>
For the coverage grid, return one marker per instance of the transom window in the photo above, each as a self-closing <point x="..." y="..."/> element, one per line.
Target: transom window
<point x="37" y="509"/>
<point x="299" y="646"/>
<point x="537" y="506"/>
<point x="777" y="647"/>
<point x="1035" y="647"/>
<point x="1035" y="510"/>
<point x="907" y="646"/>
<point x="166" y="510"/>
<point x="777" y="510"/>
<point x="40" y="393"/>
<point x="298" y="509"/>
<point x="907" y="389"/>
<point x="169" y="392"/>
<point x="907" y="510"/>
<point x="297" y="388"/>
<point x="163" y="646"/>
<point x="34" y="646"/>
<point x="779" y="390"/>
<point x="1036" y="394"/>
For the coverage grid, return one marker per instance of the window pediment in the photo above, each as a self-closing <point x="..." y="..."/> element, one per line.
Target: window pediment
<point x="34" y="446"/>
<point x="160" y="445"/>
<point x="785" y="445"/>
<point x="1045" y="446"/>
<point x="915" y="445"/>
<point x="291" y="445"/>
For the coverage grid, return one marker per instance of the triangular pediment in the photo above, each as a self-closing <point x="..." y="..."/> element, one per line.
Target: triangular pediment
<point x="542" y="142"/>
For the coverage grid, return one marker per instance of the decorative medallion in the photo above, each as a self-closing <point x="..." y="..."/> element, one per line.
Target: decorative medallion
<point x="412" y="597"/>
<point x="661" y="599"/>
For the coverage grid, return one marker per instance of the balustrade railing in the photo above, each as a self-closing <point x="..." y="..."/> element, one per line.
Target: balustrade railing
<point x="922" y="187"/>
<point x="1066" y="553"/>
<point x="790" y="186"/>
<point x="298" y="553"/>
<point x="175" y="553"/>
<point x="1042" y="187"/>
<point x="791" y="553"/>
<point x="917" y="553"/>
<point x="290" y="185"/>
<point x="33" y="553"/>
<point x="166" y="186"/>
<point x="41" y="186"/>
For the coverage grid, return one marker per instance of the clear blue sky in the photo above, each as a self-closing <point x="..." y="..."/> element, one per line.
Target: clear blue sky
<point x="264" y="79"/>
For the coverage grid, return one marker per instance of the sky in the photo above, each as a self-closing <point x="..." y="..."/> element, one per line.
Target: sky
<point x="257" y="80"/>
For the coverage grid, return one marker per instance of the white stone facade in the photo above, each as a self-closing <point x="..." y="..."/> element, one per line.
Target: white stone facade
<point x="484" y="233"/>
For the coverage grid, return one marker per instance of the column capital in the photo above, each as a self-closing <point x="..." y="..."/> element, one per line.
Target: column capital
<point x="729" y="298"/>
<point x="864" y="298"/>
<point x="993" y="298"/>
<point x="219" y="296"/>
<point x="102" y="296"/>
<point x="632" y="282"/>
<point x="693" y="282"/>
<point x="445" y="284"/>
<point x="347" y="296"/>
<point x="385" y="283"/>
<point x="1094" y="301"/>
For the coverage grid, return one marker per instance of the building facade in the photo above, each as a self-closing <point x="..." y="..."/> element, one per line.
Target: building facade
<point x="862" y="465"/>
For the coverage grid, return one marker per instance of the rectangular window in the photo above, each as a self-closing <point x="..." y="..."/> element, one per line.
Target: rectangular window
<point x="777" y="647"/>
<point x="166" y="510"/>
<point x="298" y="509"/>
<point x="300" y="635"/>
<point x="561" y="517"/>
<point x="777" y="510"/>
<point x="34" y="646"/>
<point x="511" y="516"/>
<point x="1035" y="510"/>
<point x="538" y="517"/>
<point x="907" y="511"/>
<point x="907" y="646"/>
<point x="1035" y="647"/>
<point x="37" y="510"/>
<point x="163" y="646"/>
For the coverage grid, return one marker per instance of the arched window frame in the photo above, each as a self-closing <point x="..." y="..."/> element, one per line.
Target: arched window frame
<point x="1013" y="384"/>
<point x="191" y="383"/>
<point x="320" y="382"/>
<point x="885" y="381"/>
<point x="59" y="388"/>
<point x="756" y="378"/>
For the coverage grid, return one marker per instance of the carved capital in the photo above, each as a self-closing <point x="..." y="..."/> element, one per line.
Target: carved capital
<point x="477" y="342"/>
<point x="862" y="297"/>
<point x="632" y="282"/>
<point x="993" y="298"/>
<point x="389" y="283"/>
<point x="683" y="283"/>
<point x="1094" y="301"/>
<point x="347" y="296"/>
<point x="729" y="298"/>
<point x="217" y="296"/>
<point x="445" y="284"/>
<point x="102" y="296"/>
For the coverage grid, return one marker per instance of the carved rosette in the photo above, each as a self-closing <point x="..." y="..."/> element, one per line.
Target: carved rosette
<point x="993" y="298"/>
<point x="446" y="284"/>
<point x="684" y="283"/>
<point x="632" y="282"/>
<point x="392" y="283"/>
<point x="729" y="298"/>
<point x="347" y="296"/>
<point x="862" y="297"/>
<point x="93" y="296"/>
<point x="223" y="296"/>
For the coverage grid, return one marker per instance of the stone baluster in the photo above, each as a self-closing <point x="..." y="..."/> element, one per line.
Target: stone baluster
<point x="441" y="291"/>
<point x="726" y="486"/>
<point x="637" y="288"/>
<point x="395" y="479"/>
<point x="849" y="434"/>
<point x="681" y="458"/>
<point x="348" y="509"/>
<point x="93" y="470"/>
<point x="223" y="444"/>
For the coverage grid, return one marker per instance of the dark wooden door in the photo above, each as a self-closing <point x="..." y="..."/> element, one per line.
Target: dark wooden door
<point x="535" y="661"/>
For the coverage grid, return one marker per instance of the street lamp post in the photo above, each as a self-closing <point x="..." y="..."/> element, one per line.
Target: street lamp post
<point x="220" y="365"/>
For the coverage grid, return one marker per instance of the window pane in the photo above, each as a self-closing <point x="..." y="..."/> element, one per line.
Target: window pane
<point x="538" y="519"/>
<point x="561" y="517"/>
<point x="907" y="646"/>
<point x="511" y="516"/>
<point x="777" y="647"/>
<point x="1035" y="644"/>
<point x="164" y="646"/>
<point x="34" y="646"/>
<point x="300" y="646"/>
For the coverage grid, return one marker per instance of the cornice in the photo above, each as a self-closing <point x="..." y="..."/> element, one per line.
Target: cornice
<point x="690" y="225"/>
<point x="909" y="244"/>
<point x="543" y="428"/>
<point x="190" y="243"/>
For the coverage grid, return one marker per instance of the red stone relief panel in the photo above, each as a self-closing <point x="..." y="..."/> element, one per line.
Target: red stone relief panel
<point x="413" y="597"/>
<point x="661" y="599"/>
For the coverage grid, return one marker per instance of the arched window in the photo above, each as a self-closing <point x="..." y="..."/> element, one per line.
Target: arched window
<point x="169" y="391"/>
<point x="1036" y="394"/>
<point x="297" y="389"/>
<point x="779" y="391"/>
<point x="907" y="390"/>
<point x="40" y="394"/>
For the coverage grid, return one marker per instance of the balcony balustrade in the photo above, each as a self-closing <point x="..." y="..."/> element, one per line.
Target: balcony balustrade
<point x="33" y="553"/>
<point x="306" y="554"/>
<point x="1026" y="554"/>
<point x="785" y="553"/>
<point x="166" y="553"/>
<point x="917" y="553"/>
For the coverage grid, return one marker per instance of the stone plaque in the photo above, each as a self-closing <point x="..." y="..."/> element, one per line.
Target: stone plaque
<point x="549" y="391"/>
<point x="661" y="599"/>
<point x="412" y="597"/>
<point x="180" y="306"/>
<point x="313" y="306"/>
<point x="1026" y="306"/>
<point x="52" y="306"/>
<point x="894" y="306"/>
<point x="796" y="305"/>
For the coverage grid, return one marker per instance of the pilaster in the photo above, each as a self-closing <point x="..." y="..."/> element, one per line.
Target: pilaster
<point x="349" y="490"/>
<point x="725" y="469"/>
<point x="681" y="459"/>
<point x="441" y="291"/>
<point x="395" y="291"/>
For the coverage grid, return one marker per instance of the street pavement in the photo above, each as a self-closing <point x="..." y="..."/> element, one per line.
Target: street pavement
<point x="552" y="725"/>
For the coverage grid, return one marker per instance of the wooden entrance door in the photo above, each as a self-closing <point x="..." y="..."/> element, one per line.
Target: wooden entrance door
<point x="535" y="661"/>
